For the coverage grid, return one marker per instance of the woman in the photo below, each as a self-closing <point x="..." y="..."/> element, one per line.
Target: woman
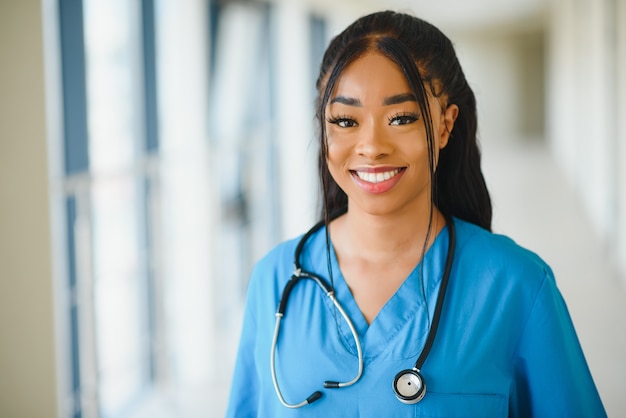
<point x="402" y="297"/>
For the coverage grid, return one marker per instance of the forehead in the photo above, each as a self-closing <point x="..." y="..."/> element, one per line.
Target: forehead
<point x="372" y="77"/>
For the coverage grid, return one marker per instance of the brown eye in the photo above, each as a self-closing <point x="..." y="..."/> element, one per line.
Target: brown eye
<point x="403" y="119"/>
<point x="343" y="122"/>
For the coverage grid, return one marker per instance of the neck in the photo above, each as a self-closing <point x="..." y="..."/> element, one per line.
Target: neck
<point x="360" y="234"/>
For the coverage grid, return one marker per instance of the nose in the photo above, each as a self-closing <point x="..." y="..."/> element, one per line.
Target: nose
<point x="374" y="143"/>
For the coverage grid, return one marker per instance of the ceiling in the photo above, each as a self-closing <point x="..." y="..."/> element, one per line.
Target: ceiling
<point x="477" y="13"/>
<point x="455" y="15"/>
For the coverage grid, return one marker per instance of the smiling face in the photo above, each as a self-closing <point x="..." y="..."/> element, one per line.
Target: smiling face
<point x="377" y="146"/>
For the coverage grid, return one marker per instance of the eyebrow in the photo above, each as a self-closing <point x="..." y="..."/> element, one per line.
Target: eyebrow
<point x="399" y="98"/>
<point x="349" y="101"/>
<point x="393" y="100"/>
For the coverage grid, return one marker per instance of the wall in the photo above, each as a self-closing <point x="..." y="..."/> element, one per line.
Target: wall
<point x="504" y="66"/>
<point x="620" y="88"/>
<point x="585" y="111"/>
<point x="27" y="357"/>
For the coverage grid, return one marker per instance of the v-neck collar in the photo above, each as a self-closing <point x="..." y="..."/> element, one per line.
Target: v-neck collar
<point x="404" y="309"/>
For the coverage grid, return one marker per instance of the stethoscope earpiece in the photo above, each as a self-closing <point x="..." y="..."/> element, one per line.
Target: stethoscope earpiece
<point x="409" y="386"/>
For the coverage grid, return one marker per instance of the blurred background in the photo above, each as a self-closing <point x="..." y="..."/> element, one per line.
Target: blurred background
<point x="152" y="150"/>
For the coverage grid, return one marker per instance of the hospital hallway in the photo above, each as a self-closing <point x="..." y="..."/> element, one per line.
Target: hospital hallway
<point x="534" y="204"/>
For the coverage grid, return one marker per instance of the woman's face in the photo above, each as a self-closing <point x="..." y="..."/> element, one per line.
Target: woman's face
<point x="377" y="149"/>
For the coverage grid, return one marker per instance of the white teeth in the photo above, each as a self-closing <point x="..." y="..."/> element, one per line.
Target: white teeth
<point x="377" y="177"/>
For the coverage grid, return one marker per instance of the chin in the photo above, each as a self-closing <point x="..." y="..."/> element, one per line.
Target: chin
<point x="387" y="206"/>
<point x="380" y="210"/>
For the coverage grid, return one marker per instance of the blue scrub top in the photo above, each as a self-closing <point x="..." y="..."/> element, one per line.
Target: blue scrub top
<point x="505" y="346"/>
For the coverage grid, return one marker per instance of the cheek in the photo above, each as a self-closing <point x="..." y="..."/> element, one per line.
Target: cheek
<point x="333" y="160"/>
<point x="332" y="138"/>
<point x="336" y="159"/>
<point x="337" y="151"/>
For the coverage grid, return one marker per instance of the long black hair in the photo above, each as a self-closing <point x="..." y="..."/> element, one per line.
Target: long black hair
<point x="428" y="61"/>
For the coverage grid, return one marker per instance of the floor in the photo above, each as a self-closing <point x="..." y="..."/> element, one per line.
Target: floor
<point x="534" y="205"/>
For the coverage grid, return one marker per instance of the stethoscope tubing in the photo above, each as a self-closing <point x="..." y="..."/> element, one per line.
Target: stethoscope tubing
<point x="301" y="274"/>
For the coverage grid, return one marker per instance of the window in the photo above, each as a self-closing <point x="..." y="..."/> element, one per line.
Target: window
<point x="171" y="191"/>
<point x="107" y="191"/>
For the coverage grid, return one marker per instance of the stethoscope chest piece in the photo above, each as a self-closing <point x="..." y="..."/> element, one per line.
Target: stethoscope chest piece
<point x="409" y="386"/>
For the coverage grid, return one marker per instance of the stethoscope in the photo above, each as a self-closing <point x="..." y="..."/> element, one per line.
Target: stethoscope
<point x="408" y="385"/>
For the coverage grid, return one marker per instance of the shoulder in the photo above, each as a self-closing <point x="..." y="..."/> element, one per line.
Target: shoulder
<point x="497" y="282"/>
<point x="268" y="278"/>
<point x="271" y="273"/>
<point x="496" y="252"/>
<point x="494" y="264"/>
<point x="276" y="265"/>
<point x="280" y="255"/>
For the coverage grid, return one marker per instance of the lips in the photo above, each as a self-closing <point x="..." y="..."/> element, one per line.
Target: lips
<point x="378" y="180"/>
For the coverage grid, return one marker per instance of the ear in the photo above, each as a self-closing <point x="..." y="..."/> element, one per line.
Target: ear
<point x="448" y="117"/>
